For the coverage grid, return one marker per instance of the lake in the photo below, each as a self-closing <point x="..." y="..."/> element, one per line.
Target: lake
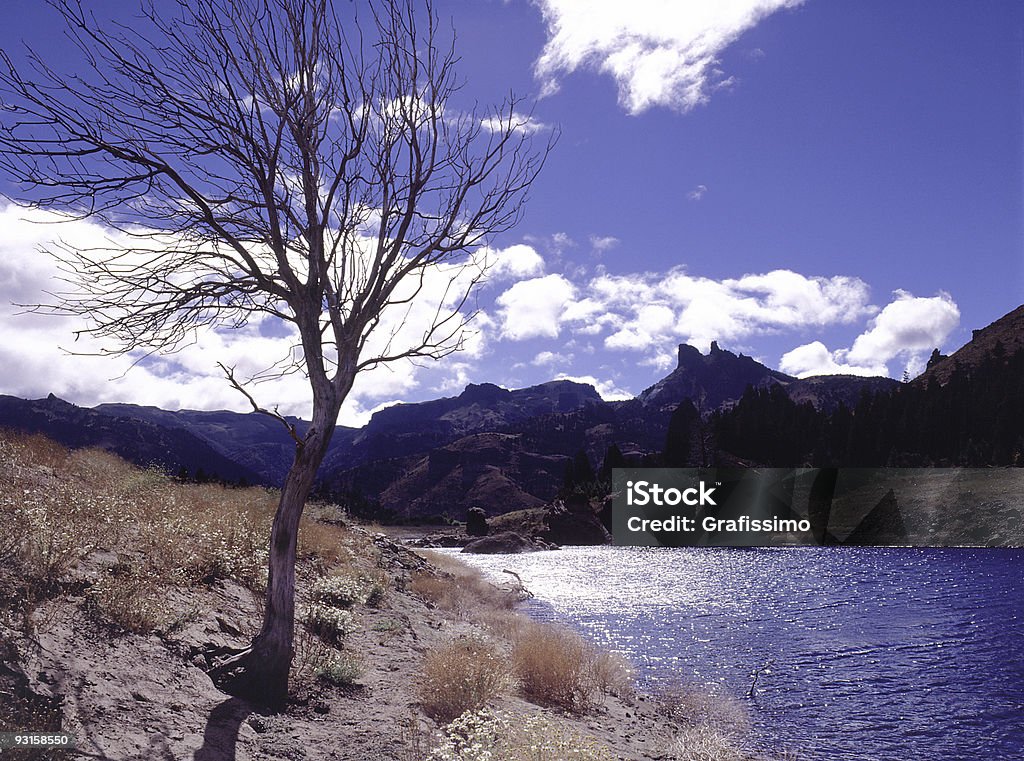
<point x="865" y="653"/>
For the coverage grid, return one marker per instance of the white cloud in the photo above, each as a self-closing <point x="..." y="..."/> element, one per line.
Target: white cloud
<point x="457" y="376"/>
<point x="648" y="313"/>
<point x="815" y="359"/>
<point x="602" y="243"/>
<point x="545" y="358"/>
<point x="532" y="308"/>
<point x="909" y="325"/>
<point x="908" y="328"/>
<point x="515" y="262"/>
<point x="561" y="241"/>
<point x="523" y="124"/>
<point x="795" y="299"/>
<point x="660" y="52"/>
<point x="697" y="193"/>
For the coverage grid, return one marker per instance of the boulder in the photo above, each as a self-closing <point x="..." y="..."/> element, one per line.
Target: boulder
<point x="505" y="543"/>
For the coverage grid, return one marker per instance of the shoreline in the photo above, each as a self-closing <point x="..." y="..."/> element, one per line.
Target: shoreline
<point x="155" y="578"/>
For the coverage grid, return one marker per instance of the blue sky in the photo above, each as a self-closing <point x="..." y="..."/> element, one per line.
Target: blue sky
<point x="826" y="186"/>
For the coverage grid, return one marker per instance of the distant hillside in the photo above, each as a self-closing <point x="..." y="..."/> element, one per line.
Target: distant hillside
<point x="967" y="410"/>
<point x="493" y="470"/>
<point x="405" y="429"/>
<point x="1003" y="338"/>
<point x="138" y="440"/>
<point x="827" y="392"/>
<point x="257" y="442"/>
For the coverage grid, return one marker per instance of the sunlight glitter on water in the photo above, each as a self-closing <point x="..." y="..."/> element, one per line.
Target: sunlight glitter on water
<point x="912" y="653"/>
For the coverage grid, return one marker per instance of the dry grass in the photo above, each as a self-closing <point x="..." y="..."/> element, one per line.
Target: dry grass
<point x="459" y="589"/>
<point x="710" y="725"/>
<point x="141" y="532"/>
<point x="462" y="675"/>
<point x="703" y="743"/>
<point x="555" y="666"/>
<point x="705" y="705"/>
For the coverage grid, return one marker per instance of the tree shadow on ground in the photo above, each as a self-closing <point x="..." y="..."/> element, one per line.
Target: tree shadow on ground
<point x="221" y="733"/>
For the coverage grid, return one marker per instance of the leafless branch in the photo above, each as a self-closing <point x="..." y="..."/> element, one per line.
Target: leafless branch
<point x="229" y="373"/>
<point x="291" y="159"/>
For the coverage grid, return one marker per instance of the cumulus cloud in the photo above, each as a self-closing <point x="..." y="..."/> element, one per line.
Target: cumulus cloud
<point x="514" y="262"/>
<point x="647" y="312"/>
<point x="524" y="124"/>
<point x="547" y="358"/>
<point x="908" y="328"/>
<point x="815" y="359"/>
<point x="660" y="52"/>
<point x="533" y="308"/>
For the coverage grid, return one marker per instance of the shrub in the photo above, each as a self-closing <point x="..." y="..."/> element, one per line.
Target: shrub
<point x="338" y="591"/>
<point x="388" y="625"/>
<point x="127" y="599"/>
<point x="461" y="676"/>
<point x="340" y="669"/>
<point x="555" y="666"/>
<point x="704" y="743"/>
<point x="612" y="672"/>
<point x="330" y="623"/>
<point x="465" y="593"/>
<point x="704" y="706"/>
<point x="345" y="589"/>
<point x="711" y="725"/>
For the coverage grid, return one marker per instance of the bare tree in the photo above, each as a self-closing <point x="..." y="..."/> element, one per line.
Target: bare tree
<point x="282" y="157"/>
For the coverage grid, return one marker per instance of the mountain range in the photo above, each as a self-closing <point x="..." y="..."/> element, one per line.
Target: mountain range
<point x="490" y="446"/>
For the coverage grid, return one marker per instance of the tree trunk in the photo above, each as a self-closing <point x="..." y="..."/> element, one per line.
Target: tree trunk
<point x="260" y="672"/>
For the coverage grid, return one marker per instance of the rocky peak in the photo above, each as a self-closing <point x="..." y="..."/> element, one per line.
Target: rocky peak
<point x="710" y="379"/>
<point x="483" y="393"/>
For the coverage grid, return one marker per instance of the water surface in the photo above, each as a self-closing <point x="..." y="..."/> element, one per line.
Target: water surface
<point x="875" y="653"/>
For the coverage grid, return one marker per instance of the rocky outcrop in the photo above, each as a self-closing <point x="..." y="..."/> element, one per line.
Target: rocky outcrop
<point x="1002" y="338"/>
<point x="476" y="522"/>
<point x="710" y="379"/>
<point x="574" y="522"/>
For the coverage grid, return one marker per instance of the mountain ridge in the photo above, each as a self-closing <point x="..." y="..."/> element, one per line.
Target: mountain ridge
<point x="506" y="446"/>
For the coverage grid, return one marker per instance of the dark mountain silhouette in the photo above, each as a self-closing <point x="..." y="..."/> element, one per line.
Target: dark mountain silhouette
<point x="965" y="410"/>
<point x="257" y="442"/>
<point x="133" y="437"/>
<point x="710" y="380"/>
<point x="508" y="449"/>
<point x="406" y="429"/>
